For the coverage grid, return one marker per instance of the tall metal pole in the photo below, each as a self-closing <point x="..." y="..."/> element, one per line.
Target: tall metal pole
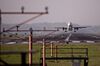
<point x="0" y="21"/>
<point x="55" y="52"/>
<point x="44" y="53"/>
<point x="0" y="26"/>
<point x="51" y="49"/>
<point x="30" y="47"/>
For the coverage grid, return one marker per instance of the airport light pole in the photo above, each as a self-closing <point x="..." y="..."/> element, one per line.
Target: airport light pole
<point x="0" y="25"/>
<point x="30" y="36"/>
<point x="51" y="49"/>
<point x="44" y="53"/>
<point x="18" y="25"/>
<point x="30" y="47"/>
<point x="0" y="28"/>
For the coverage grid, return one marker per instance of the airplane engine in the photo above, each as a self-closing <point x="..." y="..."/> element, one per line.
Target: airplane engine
<point x="75" y="29"/>
<point x="63" y="28"/>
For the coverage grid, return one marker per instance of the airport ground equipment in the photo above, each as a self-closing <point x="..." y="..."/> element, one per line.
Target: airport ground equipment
<point x="72" y="54"/>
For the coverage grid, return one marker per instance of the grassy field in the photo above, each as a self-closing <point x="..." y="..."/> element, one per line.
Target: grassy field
<point x="94" y="54"/>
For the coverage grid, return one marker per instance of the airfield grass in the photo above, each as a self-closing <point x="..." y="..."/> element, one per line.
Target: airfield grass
<point x="93" y="50"/>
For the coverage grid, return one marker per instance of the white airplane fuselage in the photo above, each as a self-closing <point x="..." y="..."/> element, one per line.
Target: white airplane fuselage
<point x="69" y="27"/>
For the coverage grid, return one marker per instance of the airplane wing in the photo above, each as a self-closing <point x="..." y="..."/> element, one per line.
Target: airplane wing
<point x="63" y="28"/>
<point x="76" y="28"/>
<point x="80" y="27"/>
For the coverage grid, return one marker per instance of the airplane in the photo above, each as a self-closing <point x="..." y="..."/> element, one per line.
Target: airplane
<point x="70" y="28"/>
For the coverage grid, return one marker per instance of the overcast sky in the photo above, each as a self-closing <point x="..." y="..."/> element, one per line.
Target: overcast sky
<point x="82" y="12"/>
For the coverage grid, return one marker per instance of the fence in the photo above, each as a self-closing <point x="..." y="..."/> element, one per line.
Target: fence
<point x="66" y="54"/>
